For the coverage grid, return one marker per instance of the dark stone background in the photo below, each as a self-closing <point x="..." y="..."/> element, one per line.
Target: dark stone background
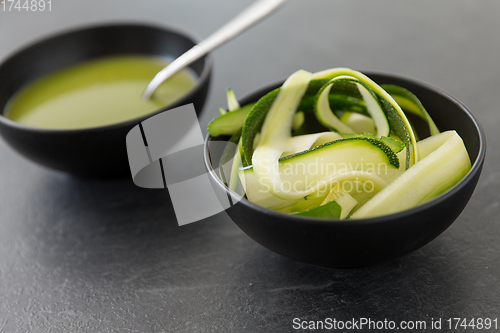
<point x="105" y="256"/>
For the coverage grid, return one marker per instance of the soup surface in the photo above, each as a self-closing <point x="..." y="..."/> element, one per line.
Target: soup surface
<point x="96" y="93"/>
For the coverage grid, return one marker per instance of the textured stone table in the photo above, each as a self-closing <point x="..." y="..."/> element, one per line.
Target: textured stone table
<point x="105" y="256"/>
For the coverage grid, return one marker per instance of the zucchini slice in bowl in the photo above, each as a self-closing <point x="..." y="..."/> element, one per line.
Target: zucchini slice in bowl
<point x="364" y="241"/>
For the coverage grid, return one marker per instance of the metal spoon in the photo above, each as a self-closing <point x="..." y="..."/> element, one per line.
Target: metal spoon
<point x="255" y="12"/>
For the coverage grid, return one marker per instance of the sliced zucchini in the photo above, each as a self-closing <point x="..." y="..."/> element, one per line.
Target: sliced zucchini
<point x="237" y="164"/>
<point x="328" y="118"/>
<point x="446" y="163"/>
<point x="343" y="199"/>
<point x="356" y="153"/>
<point x="232" y="102"/>
<point x="256" y="118"/>
<point x="302" y="143"/>
<point x="328" y="160"/>
<point x="276" y="132"/>
<point x="228" y="154"/>
<point x="297" y="144"/>
<point x="298" y="120"/>
<point x="322" y="108"/>
<point x="362" y="186"/>
<point x="230" y="122"/>
<point x="395" y="145"/>
<point x="375" y="110"/>
<point x="372" y="142"/>
<point x="338" y="102"/>
<point x="359" y="123"/>
<point x="397" y="119"/>
<point x="254" y="121"/>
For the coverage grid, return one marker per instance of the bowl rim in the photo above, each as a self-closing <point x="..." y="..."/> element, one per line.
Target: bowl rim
<point x="476" y="167"/>
<point x="202" y="78"/>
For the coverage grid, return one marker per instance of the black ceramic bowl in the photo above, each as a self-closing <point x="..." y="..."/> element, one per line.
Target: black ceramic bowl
<point x="362" y="242"/>
<point x="98" y="151"/>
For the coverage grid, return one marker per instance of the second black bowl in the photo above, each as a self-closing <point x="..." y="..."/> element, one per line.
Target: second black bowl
<point x="98" y="151"/>
<point x="362" y="242"/>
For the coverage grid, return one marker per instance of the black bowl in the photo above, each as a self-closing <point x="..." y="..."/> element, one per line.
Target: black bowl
<point x="362" y="242"/>
<point x="98" y="151"/>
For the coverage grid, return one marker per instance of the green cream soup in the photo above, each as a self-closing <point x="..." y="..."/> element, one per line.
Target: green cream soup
<point x="96" y="93"/>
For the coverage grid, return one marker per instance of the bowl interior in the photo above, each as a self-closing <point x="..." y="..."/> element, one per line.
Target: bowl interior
<point x="73" y="47"/>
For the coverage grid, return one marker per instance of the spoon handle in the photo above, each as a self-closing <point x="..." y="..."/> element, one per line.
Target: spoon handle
<point x="251" y="15"/>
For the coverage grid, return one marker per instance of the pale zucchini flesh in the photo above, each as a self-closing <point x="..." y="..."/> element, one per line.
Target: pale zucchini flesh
<point x="232" y="102"/>
<point x="276" y="134"/>
<point x="409" y="102"/>
<point x="431" y="176"/>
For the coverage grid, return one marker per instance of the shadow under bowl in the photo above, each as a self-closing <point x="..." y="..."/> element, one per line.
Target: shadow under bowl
<point x="363" y="242"/>
<point x="96" y="151"/>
